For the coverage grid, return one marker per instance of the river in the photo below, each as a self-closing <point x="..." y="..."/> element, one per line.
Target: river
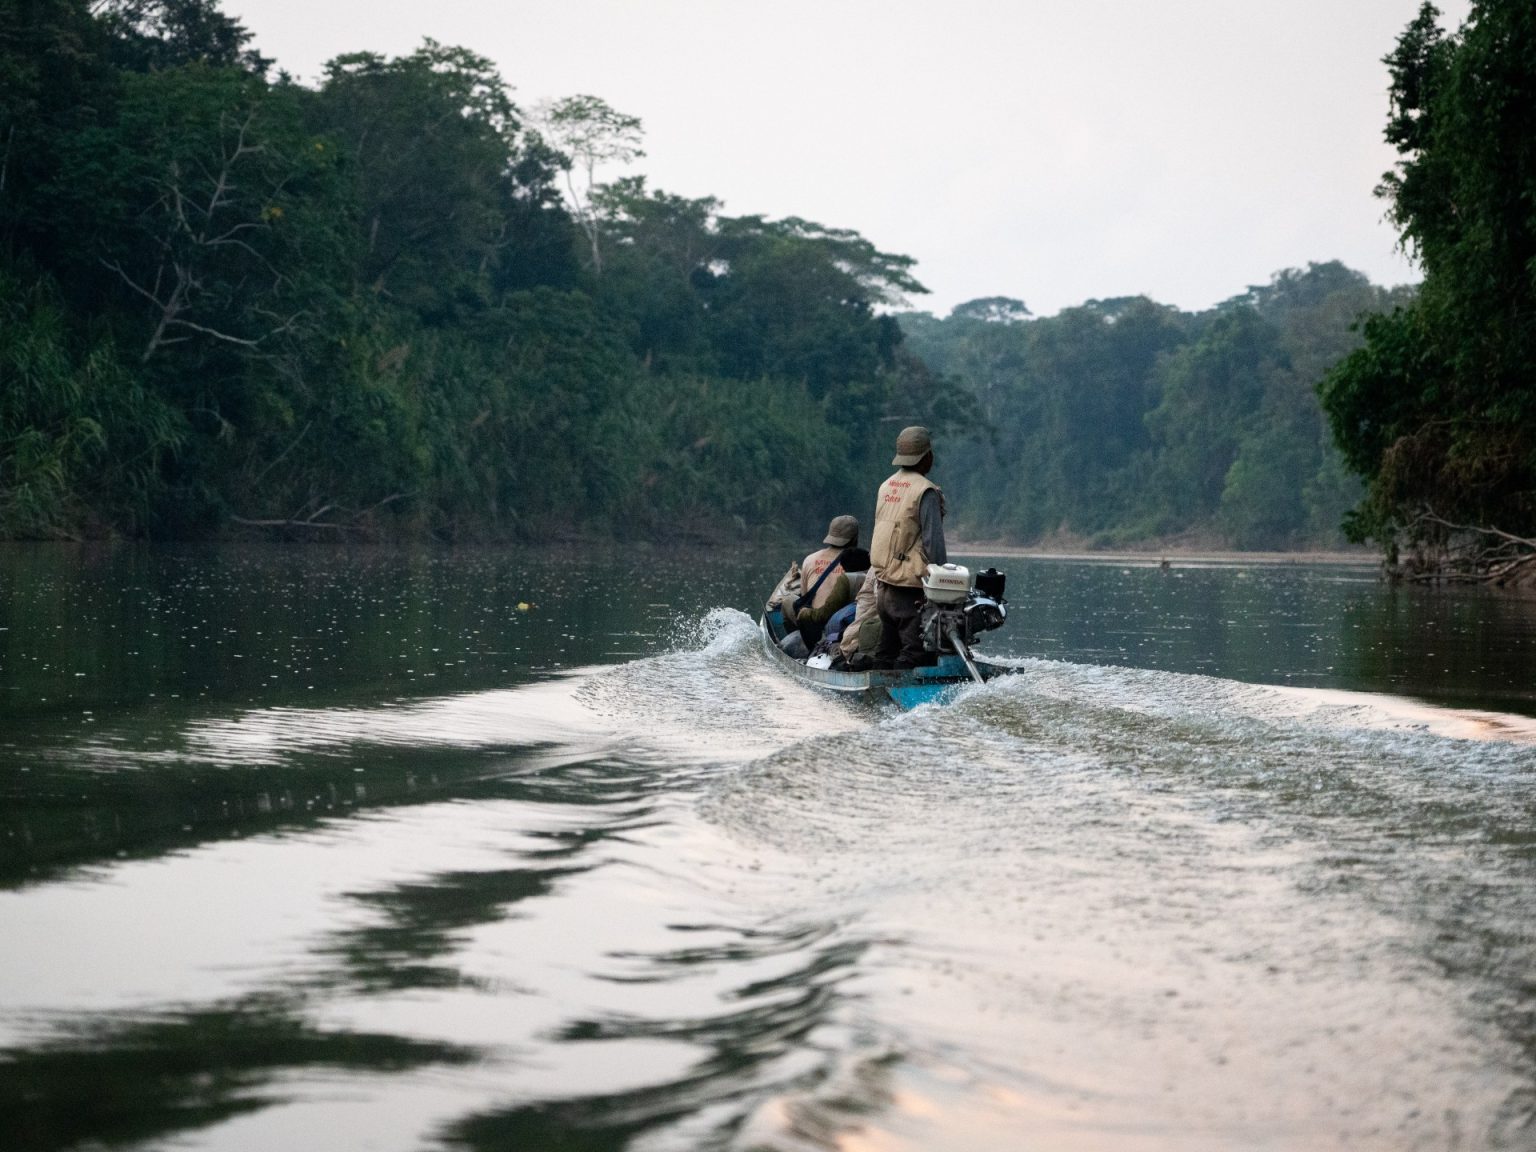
<point x="354" y="849"/>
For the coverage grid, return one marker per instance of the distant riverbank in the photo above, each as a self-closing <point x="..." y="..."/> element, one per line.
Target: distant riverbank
<point x="1174" y="558"/>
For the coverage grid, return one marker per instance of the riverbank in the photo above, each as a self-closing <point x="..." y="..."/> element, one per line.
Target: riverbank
<point x="1171" y="558"/>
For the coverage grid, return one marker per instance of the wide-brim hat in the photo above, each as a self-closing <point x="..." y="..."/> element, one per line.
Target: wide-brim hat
<point x="843" y="531"/>
<point x="912" y="445"/>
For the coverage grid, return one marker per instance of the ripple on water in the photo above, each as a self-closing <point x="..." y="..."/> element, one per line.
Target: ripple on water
<point x="1084" y="907"/>
<point x="716" y="699"/>
<point x="1112" y="901"/>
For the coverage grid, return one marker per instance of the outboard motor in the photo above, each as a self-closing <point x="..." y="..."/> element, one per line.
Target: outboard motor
<point x="960" y="603"/>
<point x="991" y="584"/>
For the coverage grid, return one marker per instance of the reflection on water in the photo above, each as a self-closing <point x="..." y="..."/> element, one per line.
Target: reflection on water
<point x="119" y="1081"/>
<point x="302" y="849"/>
<point x="1327" y="627"/>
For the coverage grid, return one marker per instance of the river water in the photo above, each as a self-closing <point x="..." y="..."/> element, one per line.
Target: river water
<point x="382" y="850"/>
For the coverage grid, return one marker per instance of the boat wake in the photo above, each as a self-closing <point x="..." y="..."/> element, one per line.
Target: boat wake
<point x="716" y="697"/>
<point x="692" y="901"/>
<point x="1142" y="880"/>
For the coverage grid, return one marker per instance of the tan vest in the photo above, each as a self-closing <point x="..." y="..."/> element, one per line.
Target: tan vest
<point x="896" y="550"/>
<point x="810" y="571"/>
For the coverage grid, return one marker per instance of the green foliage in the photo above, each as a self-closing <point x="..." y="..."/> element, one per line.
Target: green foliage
<point x="1124" y="420"/>
<point x="661" y="248"/>
<point x="52" y="79"/>
<point x="1212" y="394"/>
<point x="705" y="457"/>
<point x="430" y="142"/>
<point x="992" y="309"/>
<point x="81" y="438"/>
<point x="229" y="301"/>
<point x="150" y="35"/>
<point x="1437" y="412"/>
<point x="587" y="132"/>
<point x="233" y="301"/>
<point x="200" y="200"/>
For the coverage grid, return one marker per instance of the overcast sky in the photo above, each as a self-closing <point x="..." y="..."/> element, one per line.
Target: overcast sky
<point x="1054" y="152"/>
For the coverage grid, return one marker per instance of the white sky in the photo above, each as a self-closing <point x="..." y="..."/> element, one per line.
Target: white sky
<point x="1051" y="151"/>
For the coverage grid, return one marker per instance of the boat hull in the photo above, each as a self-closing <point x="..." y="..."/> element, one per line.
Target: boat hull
<point x="908" y="688"/>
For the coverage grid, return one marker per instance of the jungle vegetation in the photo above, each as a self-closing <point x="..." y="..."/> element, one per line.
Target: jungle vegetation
<point x="231" y="301"/>
<point x="1122" y="422"/>
<point x="397" y="302"/>
<point x="1437" y="409"/>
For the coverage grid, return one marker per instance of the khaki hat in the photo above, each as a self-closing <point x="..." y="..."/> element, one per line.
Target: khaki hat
<point x="843" y="531"/>
<point x="912" y="445"/>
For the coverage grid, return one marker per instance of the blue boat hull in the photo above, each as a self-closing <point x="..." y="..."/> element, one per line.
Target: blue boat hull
<point x="907" y="688"/>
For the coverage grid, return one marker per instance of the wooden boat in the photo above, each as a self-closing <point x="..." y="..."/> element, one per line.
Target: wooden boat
<point x="907" y="688"/>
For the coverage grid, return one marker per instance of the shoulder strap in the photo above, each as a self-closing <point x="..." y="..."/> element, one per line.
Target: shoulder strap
<point x="807" y="597"/>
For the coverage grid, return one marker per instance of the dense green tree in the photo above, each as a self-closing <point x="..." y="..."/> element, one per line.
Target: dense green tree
<point x="1212" y="393"/>
<point x="1274" y="457"/>
<point x="233" y="302"/>
<point x="661" y="248"/>
<point x="193" y="200"/>
<point x="992" y="310"/>
<point x="1123" y="420"/>
<point x="1438" y="410"/>
<point x="431" y="144"/>
<point x="535" y="245"/>
<point x="150" y="35"/>
<point x="990" y="357"/>
<point x="81" y="438"/>
<point x="53" y="81"/>
<point x="1062" y="404"/>
<point x="796" y="300"/>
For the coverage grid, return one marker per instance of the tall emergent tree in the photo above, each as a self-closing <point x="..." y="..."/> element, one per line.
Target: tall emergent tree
<point x="588" y="132"/>
<point x="1438" y="410"/>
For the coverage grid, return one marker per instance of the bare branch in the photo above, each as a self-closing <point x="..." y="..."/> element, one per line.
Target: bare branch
<point x="289" y="524"/>
<point x="387" y="500"/>
<point x="299" y="520"/>
<point x="113" y="266"/>
<point x="1483" y="554"/>
<point x="1521" y="541"/>
<point x="215" y="333"/>
<point x="235" y="243"/>
<point x="228" y="236"/>
<point x="278" y="459"/>
<point x="181" y="205"/>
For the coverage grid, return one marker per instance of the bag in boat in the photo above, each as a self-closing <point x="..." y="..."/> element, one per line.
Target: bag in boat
<point x="787" y="589"/>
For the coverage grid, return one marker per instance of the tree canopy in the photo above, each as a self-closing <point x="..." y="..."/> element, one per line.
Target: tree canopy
<point x="1126" y="421"/>
<point x="231" y="300"/>
<point x="1437" y="410"/>
<point x="395" y="300"/>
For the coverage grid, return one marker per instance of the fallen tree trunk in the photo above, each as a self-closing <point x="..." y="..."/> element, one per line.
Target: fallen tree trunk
<point x="1444" y="551"/>
<point x="356" y="522"/>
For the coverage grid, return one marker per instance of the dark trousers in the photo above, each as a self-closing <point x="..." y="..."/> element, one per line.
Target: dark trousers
<point x="901" y="639"/>
<point x="810" y="632"/>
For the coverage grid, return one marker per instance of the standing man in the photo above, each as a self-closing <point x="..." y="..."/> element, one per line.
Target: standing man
<point x="909" y="536"/>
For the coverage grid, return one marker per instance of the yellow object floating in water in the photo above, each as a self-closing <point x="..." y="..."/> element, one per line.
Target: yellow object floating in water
<point x="523" y="605"/>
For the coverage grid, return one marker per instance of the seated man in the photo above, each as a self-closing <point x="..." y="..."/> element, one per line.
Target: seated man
<point x="819" y="573"/>
<point x="861" y="637"/>
<point x="844" y="586"/>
